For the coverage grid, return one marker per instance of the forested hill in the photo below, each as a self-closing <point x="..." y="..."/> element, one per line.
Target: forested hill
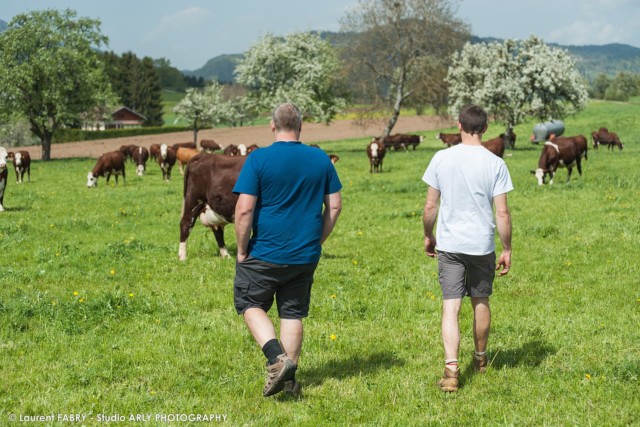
<point x="591" y="60"/>
<point x="3" y="25"/>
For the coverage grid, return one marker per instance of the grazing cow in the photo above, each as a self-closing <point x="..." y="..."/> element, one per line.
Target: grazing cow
<point x="596" y="139"/>
<point x="231" y="150"/>
<point x="166" y="158"/>
<point x="183" y="145"/>
<point x="107" y="164"/>
<point x="21" y="164"/>
<point x="4" y="174"/>
<point x="559" y="154"/>
<point x="375" y="151"/>
<point x="209" y="145"/>
<point x="183" y="155"/>
<point x="603" y="136"/>
<point x="449" y="138"/>
<point x="495" y="145"/>
<point x="251" y="148"/>
<point x="140" y="155"/>
<point x="208" y="185"/>
<point x="334" y="158"/>
<point x="401" y="141"/>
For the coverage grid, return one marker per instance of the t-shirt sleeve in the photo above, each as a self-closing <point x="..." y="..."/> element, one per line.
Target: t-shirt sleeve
<point x="503" y="181"/>
<point x="247" y="182"/>
<point x="333" y="183"/>
<point x="430" y="177"/>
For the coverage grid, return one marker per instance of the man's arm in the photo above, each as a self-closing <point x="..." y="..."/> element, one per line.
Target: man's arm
<point x="332" y="209"/>
<point x="243" y="222"/>
<point x="503" y="222"/>
<point x="429" y="220"/>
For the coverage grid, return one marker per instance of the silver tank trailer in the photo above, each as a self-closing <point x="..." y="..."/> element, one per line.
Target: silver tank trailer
<point x="542" y="131"/>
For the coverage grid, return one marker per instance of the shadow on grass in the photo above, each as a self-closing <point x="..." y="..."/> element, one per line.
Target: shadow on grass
<point x="531" y="354"/>
<point x="350" y="366"/>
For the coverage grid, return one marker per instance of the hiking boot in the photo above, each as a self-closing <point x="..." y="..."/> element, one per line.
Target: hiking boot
<point x="449" y="381"/>
<point x="480" y="363"/>
<point x="292" y="388"/>
<point x="284" y="369"/>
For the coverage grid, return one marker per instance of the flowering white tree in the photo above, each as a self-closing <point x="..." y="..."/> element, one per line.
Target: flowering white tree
<point x="516" y="79"/>
<point x="202" y="108"/>
<point x="299" y="68"/>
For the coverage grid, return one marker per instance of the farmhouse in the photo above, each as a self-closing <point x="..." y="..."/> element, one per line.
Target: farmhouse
<point x="122" y="118"/>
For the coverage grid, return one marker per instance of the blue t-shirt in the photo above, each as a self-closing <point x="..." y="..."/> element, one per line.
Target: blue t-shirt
<point x="290" y="180"/>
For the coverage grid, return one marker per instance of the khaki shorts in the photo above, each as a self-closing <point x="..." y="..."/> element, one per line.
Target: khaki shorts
<point x="462" y="275"/>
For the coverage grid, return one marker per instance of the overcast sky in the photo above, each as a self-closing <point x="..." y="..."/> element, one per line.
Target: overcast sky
<point x="190" y="32"/>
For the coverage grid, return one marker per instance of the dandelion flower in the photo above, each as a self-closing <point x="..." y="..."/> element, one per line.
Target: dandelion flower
<point x="81" y="300"/>
<point x="113" y="271"/>
<point x="131" y="295"/>
<point x="587" y="376"/>
<point x="360" y="233"/>
<point x="333" y="337"/>
<point x="355" y="262"/>
<point x="333" y="296"/>
<point x="75" y="293"/>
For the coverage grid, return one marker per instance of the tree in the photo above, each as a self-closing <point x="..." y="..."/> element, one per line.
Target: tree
<point x="400" y="51"/>
<point x="202" y="108"/>
<point x="170" y="77"/>
<point x="516" y="79"/>
<point x="50" y="72"/>
<point x="300" y="68"/>
<point x="137" y="83"/>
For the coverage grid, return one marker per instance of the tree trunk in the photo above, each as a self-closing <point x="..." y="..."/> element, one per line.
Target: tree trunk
<point x="195" y="138"/>
<point x="396" y="112"/>
<point x="46" y="148"/>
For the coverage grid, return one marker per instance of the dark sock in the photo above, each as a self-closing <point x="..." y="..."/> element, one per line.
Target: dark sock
<point x="272" y="350"/>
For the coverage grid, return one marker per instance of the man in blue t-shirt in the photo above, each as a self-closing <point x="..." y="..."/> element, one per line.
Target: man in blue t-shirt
<point x="467" y="180"/>
<point x="280" y="227"/>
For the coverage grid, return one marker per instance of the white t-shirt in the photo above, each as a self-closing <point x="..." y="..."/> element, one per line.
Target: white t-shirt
<point x="468" y="178"/>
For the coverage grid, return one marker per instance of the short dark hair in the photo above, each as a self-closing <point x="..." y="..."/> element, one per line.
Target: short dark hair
<point x="287" y="116"/>
<point x="473" y="119"/>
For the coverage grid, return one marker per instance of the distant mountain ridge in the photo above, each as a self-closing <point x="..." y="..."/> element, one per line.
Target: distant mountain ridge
<point x="3" y="25"/>
<point x="591" y="60"/>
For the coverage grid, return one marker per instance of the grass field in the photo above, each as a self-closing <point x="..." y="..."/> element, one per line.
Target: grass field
<point x="98" y="317"/>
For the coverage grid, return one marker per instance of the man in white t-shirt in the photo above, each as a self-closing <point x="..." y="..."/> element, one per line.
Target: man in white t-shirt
<point x="467" y="180"/>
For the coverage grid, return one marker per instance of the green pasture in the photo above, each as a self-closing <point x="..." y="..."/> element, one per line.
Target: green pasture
<point x="98" y="317"/>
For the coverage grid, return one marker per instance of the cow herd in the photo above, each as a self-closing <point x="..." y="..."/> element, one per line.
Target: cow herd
<point x="209" y="177"/>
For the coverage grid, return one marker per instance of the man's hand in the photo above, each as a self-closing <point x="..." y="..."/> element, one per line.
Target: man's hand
<point x="430" y="246"/>
<point x="504" y="262"/>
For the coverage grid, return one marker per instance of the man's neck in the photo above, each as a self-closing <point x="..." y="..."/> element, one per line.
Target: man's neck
<point x="468" y="139"/>
<point x="287" y="136"/>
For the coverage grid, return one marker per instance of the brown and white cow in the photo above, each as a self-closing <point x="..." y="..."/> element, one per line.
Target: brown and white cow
<point x="604" y="137"/>
<point x="376" y="151"/>
<point x="558" y="154"/>
<point x="209" y="145"/>
<point x="208" y="185"/>
<point x="449" y="138"/>
<point x="166" y="158"/>
<point x="107" y="164"/>
<point x="21" y="164"/>
<point x="4" y="174"/>
<point x="334" y="158"/>
<point x="183" y="155"/>
<point x="140" y="155"/>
